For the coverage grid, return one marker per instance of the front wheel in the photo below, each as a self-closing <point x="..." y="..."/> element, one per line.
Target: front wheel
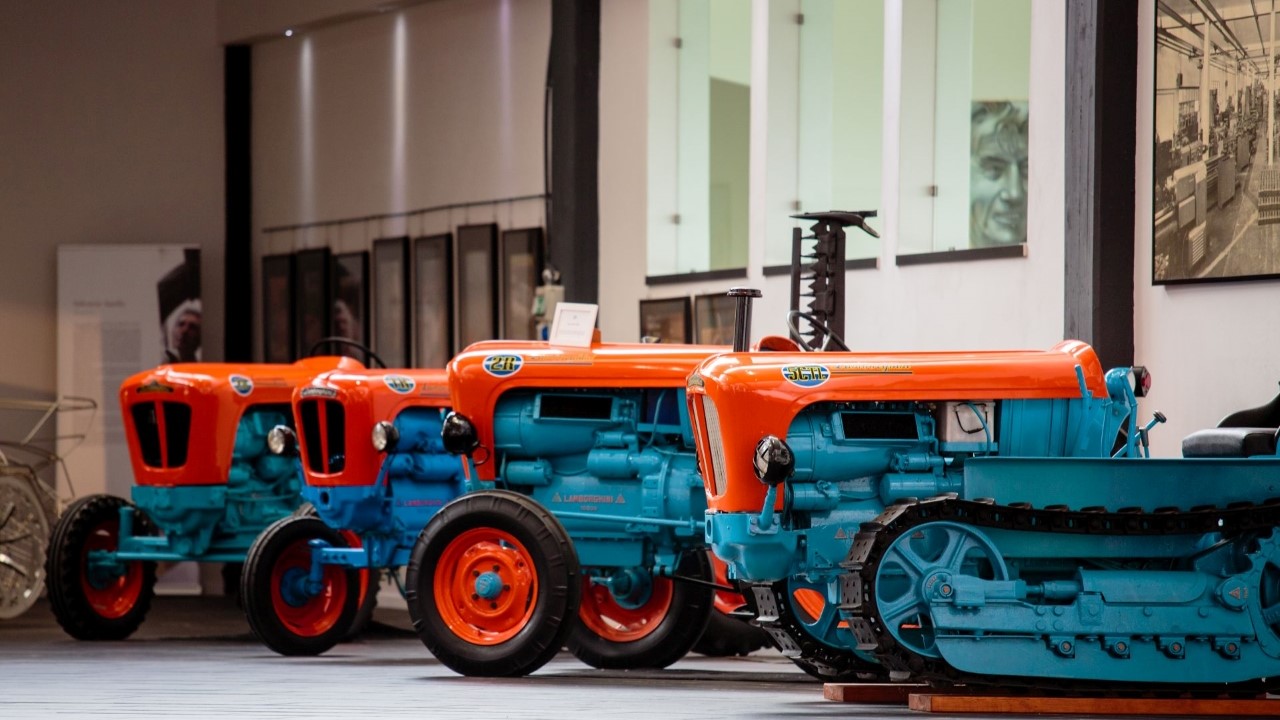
<point x="93" y="595"/>
<point x="286" y="610"/>
<point x="627" y="625"/>
<point x="491" y="585"/>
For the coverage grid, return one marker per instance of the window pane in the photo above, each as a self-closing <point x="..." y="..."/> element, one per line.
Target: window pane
<point x="826" y="79"/>
<point x="699" y="125"/>
<point x="965" y="83"/>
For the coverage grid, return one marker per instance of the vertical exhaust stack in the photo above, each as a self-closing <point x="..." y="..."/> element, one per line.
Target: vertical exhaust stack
<point x="742" y="316"/>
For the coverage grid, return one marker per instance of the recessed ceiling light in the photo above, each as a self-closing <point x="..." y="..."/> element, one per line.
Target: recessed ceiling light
<point x="288" y="33"/>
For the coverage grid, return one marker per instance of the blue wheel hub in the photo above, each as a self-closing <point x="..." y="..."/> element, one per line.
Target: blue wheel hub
<point x="488" y="585"/>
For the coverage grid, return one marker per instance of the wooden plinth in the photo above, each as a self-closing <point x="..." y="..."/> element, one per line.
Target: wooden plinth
<point x="872" y="693"/>
<point x="997" y="704"/>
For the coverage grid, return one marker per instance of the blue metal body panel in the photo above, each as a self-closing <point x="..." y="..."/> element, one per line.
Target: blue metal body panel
<point x="417" y="478"/>
<point x="617" y="467"/>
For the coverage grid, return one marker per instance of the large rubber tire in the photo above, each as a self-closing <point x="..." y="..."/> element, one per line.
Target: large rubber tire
<point x="728" y="636"/>
<point x="24" y="540"/>
<point x="654" y="635"/>
<point x="97" y="608"/>
<point x="516" y="552"/>
<point x="281" y="616"/>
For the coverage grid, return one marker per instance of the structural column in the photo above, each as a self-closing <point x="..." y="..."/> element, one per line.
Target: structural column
<point x="237" y="118"/>
<point x="573" y="227"/>
<point x="1101" y="129"/>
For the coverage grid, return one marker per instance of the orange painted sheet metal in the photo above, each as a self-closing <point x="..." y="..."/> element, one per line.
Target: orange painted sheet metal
<point x="484" y="371"/>
<point x="760" y="393"/>
<point x="367" y="397"/>
<point x="217" y="394"/>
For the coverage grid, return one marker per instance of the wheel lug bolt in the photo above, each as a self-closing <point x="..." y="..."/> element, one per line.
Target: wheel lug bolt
<point x="475" y="596"/>
<point x="496" y="568"/>
<point x="493" y="606"/>
<point x="506" y="587"/>
<point x="475" y="573"/>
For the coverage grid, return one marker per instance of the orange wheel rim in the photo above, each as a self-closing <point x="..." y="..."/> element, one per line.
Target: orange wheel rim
<point x="110" y="597"/>
<point x="813" y="604"/>
<point x="602" y="614"/>
<point x="306" y="615"/>
<point x="353" y="540"/>
<point x="486" y="586"/>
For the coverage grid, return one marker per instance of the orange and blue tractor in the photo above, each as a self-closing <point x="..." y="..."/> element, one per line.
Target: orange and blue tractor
<point x="205" y="487"/>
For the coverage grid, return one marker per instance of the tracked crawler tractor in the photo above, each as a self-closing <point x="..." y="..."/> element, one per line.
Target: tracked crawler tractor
<point x="991" y="518"/>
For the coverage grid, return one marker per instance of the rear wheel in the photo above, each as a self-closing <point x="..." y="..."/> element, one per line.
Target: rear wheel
<point x="286" y="611"/>
<point x="93" y="596"/>
<point x="642" y="621"/>
<point x="808" y="630"/>
<point x="492" y="583"/>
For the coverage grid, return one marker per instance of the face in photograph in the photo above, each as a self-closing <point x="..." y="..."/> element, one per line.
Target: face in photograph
<point x="998" y="174"/>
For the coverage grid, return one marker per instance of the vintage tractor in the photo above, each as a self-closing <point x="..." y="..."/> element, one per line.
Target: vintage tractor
<point x="369" y="447"/>
<point x="990" y="518"/>
<point x="205" y="487"/>
<point x="588" y="529"/>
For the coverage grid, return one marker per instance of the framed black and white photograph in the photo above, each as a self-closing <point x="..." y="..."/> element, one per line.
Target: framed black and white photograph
<point x="433" y="300"/>
<point x="311" y="314"/>
<point x="1216" y="176"/>
<point x="391" y="300"/>
<point x="277" y="309"/>
<point x="713" y="319"/>
<point x="519" y="266"/>
<point x="475" y="282"/>
<point x="349" y="309"/>
<point x="666" y="320"/>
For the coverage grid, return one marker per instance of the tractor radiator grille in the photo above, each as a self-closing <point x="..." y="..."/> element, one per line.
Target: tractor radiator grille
<point x="164" y="432"/>
<point x="323" y="435"/>
<point x="716" y="445"/>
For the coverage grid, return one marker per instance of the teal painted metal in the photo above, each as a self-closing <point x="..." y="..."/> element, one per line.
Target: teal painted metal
<point x="617" y="467"/>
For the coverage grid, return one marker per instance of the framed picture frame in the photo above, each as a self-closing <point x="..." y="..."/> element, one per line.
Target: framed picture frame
<point x="349" y="302"/>
<point x="475" y="281"/>
<point x="713" y="319"/>
<point x="669" y="320"/>
<point x="277" y="309"/>
<point x="433" y="300"/>
<point x="391" y="312"/>
<point x="519" y="269"/>
<point x="311" y="314"/>
<point x="1215" y="197"/>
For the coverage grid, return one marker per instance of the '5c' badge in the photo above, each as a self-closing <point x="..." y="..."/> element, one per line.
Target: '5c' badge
<point x="806" y="376"/>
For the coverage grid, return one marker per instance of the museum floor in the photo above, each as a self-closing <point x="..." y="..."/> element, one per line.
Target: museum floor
<point x="195" y="658"/>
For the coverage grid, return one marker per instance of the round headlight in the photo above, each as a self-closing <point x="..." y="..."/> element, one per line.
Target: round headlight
<point x="385" y="436"/>
<point x="281" y="440"/>
<point x="773" y="460"/>
<point x="459" y="435"/>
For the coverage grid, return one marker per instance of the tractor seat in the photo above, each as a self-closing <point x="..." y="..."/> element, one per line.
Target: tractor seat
<point x="1230" y="442"/>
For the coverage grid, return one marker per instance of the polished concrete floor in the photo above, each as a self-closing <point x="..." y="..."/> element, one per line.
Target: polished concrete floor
<point x="195" y="658"/>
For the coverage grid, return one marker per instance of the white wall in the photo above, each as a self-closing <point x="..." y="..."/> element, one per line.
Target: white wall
<point x="440" y="103"/>
<point x="111" y="132"/>
<point x="1010" y="303"/>
<point x="1212" y="349"/>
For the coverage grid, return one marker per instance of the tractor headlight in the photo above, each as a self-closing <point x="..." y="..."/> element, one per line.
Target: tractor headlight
<point x="459" y="435"/>
<point x="1141" y="381"/>
<point x="773" y="460"/>
<point x="281" y="440"/>
<point x="385" y="436"/>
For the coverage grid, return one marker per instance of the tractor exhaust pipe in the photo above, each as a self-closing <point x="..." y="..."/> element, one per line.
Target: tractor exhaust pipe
<point x="742" y="317"/>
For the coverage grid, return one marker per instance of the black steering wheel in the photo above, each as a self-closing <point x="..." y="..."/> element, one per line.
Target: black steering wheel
<point x="816" y="324"/>
<point x="370" y="356"/>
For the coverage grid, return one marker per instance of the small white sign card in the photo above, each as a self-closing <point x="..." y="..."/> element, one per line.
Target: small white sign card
<point x="574" y="324"/>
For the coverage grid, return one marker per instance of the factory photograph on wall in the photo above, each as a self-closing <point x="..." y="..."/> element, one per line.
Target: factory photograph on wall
<point x="1216" y="199"/>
